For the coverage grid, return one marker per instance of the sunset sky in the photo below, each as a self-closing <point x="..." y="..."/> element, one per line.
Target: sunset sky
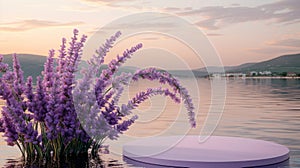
<point x="241" y="31"/>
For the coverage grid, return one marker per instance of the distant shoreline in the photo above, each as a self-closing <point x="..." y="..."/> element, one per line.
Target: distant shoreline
<point x="273" y="77"/>
<point x="259" y="77"/>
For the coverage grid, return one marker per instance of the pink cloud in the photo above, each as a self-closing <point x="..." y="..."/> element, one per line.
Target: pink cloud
<point x="34" y="24"/>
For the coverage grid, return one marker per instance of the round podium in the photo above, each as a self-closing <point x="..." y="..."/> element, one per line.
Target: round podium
<point x="216" y="151"/>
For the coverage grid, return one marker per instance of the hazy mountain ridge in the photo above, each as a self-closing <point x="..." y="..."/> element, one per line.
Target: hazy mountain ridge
<point x="285" y="63"/>
<point x="33" y="65"/>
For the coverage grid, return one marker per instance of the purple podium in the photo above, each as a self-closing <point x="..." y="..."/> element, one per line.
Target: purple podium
<point x="216" y="151"/>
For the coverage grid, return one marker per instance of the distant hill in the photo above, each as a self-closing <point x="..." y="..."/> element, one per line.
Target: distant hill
<point x="234" y="68"/>
<point x="32" y="65"/>
<point x="285" y="63"/>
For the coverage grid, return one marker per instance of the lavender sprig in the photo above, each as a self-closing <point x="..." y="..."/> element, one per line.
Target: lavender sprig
<point x="144" y="95"/>
<point x="166" y="78"/>
<point x="9" y="130"/>
<point x="42" y="120"/>
<point x="3" y="66"/>
<point x="85" y="99"/>
<point x="106" y="76"/>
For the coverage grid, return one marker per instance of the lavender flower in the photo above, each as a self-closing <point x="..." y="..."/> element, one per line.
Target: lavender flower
<point x="31" y="135"/>
<point x="1" y="125"/>
<point x="142" y="96"/>
<point x="85" y="100"/>
<point x="115" y="64"/>
<point x="8" y="77"/>
<point x="98" y="59"/>
<point x="48" y="73"/>
<point x="61" y="61"/>
<point x="50" y="107"/>
<point x="106" y="75"/>
<point x="50" y="126"/>
<point x="31" y="103"/>
<point x="15" y="118"/>
<point x="9" y="130"/>
<point x="3" y="66"/>
<point x="125" y="124"/>
<point x="166" y="78"/>
<point x="40" y="102"/>
<point x="18" y="77"/>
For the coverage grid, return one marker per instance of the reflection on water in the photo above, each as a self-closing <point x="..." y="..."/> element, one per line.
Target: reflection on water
<point x="266" y="109"/>
<point x="284" y="164"/>
<point x="72" y="163"/>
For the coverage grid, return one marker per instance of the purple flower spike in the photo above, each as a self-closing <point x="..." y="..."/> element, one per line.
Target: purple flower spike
<point x="166" y="78"/>
<point x="1" y="125"/>
<point x="43" y="120"/>
<point x="9" y="130"/>
<point x="18" y="77"/>
<point x="125" y="124"/>
<point x="3" y="66"/>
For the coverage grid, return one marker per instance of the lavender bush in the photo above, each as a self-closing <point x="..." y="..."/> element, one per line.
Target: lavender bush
<point x="43" y="120"/>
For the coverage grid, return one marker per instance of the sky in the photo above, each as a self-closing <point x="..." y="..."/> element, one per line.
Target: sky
<point x="239" y="31"/>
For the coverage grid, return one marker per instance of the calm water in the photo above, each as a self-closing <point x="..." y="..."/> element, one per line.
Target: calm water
<point x="266" y="109"/>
